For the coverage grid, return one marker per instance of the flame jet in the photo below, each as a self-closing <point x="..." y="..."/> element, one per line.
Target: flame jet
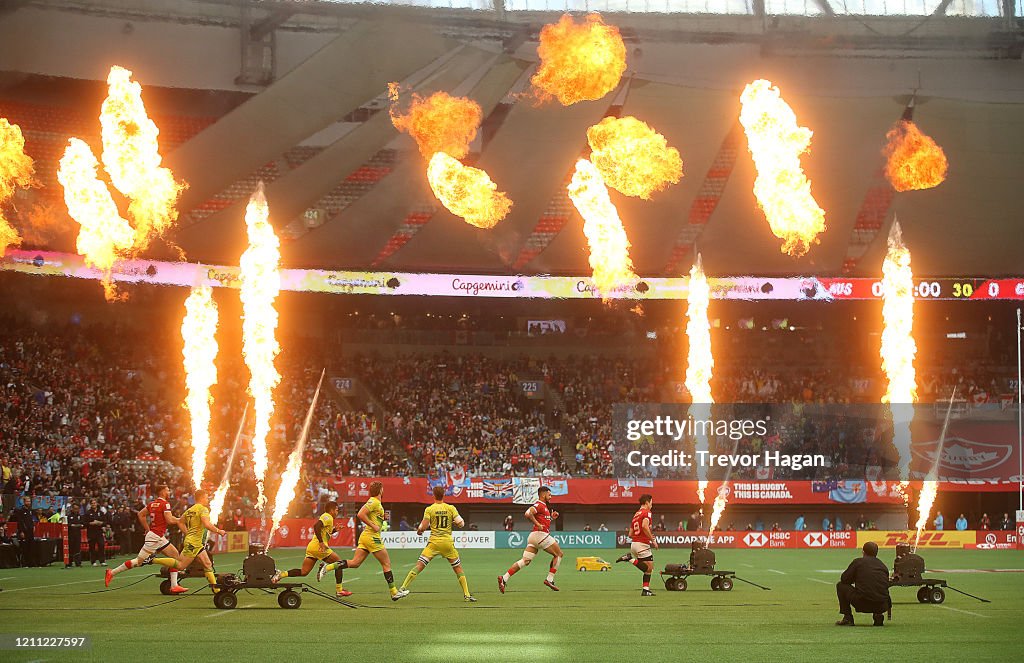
<point x="131" y="156"/>
<point x="609" y="246"/>
<point x="260" y="285"/>
<point x="700" y="362"/>
<point x="217" y="503"/>
<point x="898" y="347"/>
<point x="783" y="192"/>
<point x="198" y="331"/>
<point x="930" y="485"/>
<point x="104" y="235"/>
<point x="16" y="171"/>
<point x="290" y="478"/>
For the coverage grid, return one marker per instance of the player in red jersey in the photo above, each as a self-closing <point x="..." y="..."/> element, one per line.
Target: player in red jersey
<point x="541" y="515"/>
<point x="159" y="511"/>
<point x="640" y="554"/>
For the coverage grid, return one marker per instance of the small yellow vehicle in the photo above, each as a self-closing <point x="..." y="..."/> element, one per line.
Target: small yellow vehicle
<point x="592" y="564"/>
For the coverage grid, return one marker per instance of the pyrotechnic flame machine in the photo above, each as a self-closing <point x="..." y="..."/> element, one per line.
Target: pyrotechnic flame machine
<point x="290" y="477"/>
<point x="930" y="487"/>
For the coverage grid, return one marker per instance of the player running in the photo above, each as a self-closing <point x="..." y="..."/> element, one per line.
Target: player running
<point x="156" y="537"/>
<point x="541" y="515"/>
<point x="640" y="554"/>
<point x="195" y="522"/>
<point x="319" y="549"/>
<point x="439" y="518"/>
<point x="371" y="515"/>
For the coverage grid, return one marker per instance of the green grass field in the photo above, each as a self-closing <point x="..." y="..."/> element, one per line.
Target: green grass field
<point x="596" y="616"/>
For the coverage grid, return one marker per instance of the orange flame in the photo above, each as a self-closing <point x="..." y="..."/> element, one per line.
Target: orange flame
<point x="578" y="61"/>
<point x="717" y="510"/>
<point x="609" y="246"/>
<point x="898" y="347"/>
<point x="132" y="158"/>
<point x="104" y="235"/>
<point x="700" y="361"/>
<point x="217" y="503"/>
<point x="467" y="192"/>
<point x="438" y="123"/>
<point x="260" y="284"/>
<point x="914" y="160"/>
<point x="633" y="158"/>
<point x="929" y="491"/>
<point x="16" y="170"/>
<point x="198" y="331"/>
<point x="291" y="475"/>
<point x="782" y="190"/>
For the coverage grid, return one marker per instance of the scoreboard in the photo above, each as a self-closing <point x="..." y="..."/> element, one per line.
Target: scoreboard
<point x="936" y="289"/>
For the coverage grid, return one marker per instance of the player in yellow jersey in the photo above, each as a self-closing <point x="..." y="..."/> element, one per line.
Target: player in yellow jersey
<point x="439" y="519"/>
<point x="371" y="515"/>
<point x="319" y="548"/>
<point x="195" y="522"/>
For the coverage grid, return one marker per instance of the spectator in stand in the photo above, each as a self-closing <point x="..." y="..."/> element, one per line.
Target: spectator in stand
<point x="660" y="526"/>
<point x="961" y="523"/>
<point x="984" y="524"/>
<point x="237" y="523"/>
<point x="509" y="523"/>
<point x="862" y="522"/>
<point x="1005" y="524"/>
<point x="602" y="528"/>
<point x="826" y="524"/>
<point x="586" y="528"/>
<point x="800" y="525"/>
<point x="938" y="522"/>
<point x="26" y="521"/>
<point x="403" y="525"/>
<point x="96" y="521"/>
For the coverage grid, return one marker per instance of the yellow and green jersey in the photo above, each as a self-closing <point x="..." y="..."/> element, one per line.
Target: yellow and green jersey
<point x="193" y="518"/>
<point x="441" y="518"/>
<point x="375" y="512"/>
<point x="327" y="520"/>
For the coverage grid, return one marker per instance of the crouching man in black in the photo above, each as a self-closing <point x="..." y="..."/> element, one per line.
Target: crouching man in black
<point x="864" y="587"/>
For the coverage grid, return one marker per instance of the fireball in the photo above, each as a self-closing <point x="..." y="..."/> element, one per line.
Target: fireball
<point x="783" y="192"/>
<point x="131" y="157"/>
<point x="438" y="123"/>
<point x="198" y="329"/>
<point x="914" y="160"/>
<point x="467" y="192"/>
<point x="633" y="158"/>
<point x="898" y="347"/>
<point x="578" y="61"/>
<point x="700" y="362"/>
<point x="16" y="171"/>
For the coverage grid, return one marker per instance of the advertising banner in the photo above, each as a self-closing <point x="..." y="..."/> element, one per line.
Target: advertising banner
<point x="231" y="542"/>
<point x="929" y="539"/>
<point x="751" y="540"/>
<point x="566" y="540"/>
<point x="996" y="540"/>
<point x="412" y="540"/>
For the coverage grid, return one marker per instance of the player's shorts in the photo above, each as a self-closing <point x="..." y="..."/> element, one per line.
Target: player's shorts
<point x="192" y="548"/>
<point x="445" y="549"/>
<point x="641" y="550"/>
<point x="153" y="544"/>
<point x="370" y="541"/>
<point x="541" y="540"/>
<point x="316" y="552"/>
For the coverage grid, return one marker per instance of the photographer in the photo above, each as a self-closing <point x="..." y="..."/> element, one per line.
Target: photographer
<point x="864" y="587"/>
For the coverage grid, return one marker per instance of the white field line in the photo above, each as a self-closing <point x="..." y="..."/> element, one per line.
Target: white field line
<point x="966" y="612"/>
<point x="821" y="581"/>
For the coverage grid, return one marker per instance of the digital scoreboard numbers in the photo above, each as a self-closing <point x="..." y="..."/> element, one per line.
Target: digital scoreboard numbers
<point x="925" y="289"/>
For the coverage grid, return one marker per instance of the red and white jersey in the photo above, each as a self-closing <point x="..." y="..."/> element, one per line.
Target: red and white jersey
<point x="636" y="529"/>
<point x="157" y="522"/>
<point x="543" y="515"/>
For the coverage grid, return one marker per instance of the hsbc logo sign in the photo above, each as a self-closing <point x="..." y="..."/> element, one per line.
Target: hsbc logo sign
<point x="755" y="539"/>
<point x="816" y="539"/>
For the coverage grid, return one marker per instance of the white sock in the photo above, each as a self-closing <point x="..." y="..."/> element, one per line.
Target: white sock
<point x="551" y="577"/>
<point x="120" y="568"/>
<point x="174" y="578"/>
<point x="505" y="576"/>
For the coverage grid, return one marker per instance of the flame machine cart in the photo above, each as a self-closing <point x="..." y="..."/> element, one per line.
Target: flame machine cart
<point x="257" y="570"/>
<point x="702" y="563"/>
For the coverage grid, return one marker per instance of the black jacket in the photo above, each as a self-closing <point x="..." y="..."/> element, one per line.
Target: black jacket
<point x="95" y="531"/>
<point x="870" y="576"/>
